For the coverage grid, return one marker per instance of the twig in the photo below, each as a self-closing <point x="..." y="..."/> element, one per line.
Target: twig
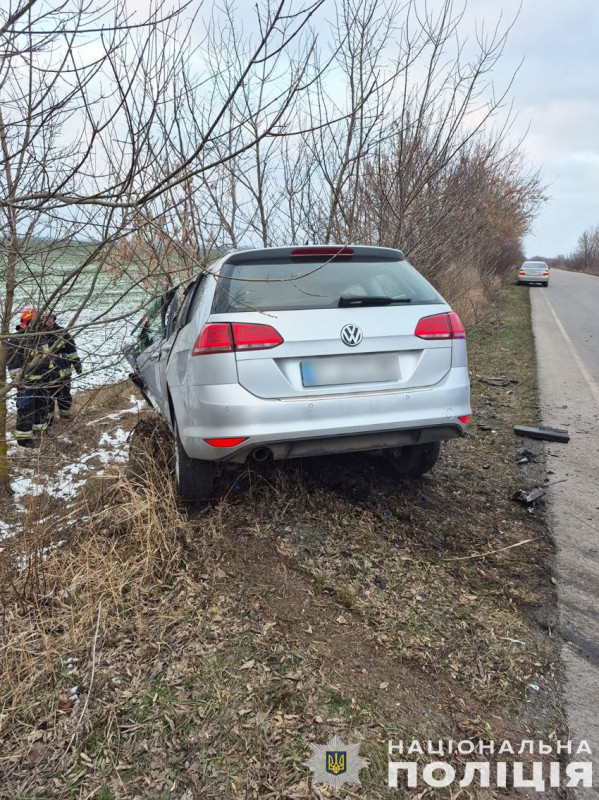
<point x="91" y="680"/>
<point x="492" y="552"/>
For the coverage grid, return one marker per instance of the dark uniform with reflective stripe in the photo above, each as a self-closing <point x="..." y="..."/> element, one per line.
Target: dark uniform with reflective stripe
<point x="33" y="382"/>
<point x="61" y="345"/>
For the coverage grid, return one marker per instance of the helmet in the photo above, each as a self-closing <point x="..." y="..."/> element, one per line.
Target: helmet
<point x="27" y="315"/>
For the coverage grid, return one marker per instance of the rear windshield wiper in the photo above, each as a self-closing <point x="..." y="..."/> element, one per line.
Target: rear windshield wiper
<point x="347" y="300"/>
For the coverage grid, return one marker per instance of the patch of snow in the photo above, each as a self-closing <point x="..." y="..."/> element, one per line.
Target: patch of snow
<point x="66" y="481"/>
<point x="8" y="529"/>
<point x="135" y="407"/>
<point x="25" y="486"/>
<point x="66" y="490"/>
<point x="119" y="437"/>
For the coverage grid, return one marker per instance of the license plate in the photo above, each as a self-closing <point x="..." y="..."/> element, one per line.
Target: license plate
<point x="336" y="370"/>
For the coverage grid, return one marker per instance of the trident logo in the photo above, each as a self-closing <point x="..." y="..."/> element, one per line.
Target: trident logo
<point x="336" y="762"/>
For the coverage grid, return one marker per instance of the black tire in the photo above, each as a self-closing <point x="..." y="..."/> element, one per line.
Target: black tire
<point x="415" y="460"/>
<point x="194" y="478"/>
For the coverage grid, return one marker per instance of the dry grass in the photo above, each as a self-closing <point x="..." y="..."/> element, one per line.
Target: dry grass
<point x="468" y="292"/>
<point x="67" y="588"/>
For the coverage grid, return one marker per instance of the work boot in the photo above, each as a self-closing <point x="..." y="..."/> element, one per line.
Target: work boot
<point x="27" y="443"/>
<point x="66" y="414"/>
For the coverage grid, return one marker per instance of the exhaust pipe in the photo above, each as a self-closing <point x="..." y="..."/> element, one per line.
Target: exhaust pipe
<point x="261" y="454"/>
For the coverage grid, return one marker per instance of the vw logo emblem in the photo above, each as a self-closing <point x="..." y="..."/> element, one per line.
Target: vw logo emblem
<point x="351" y="335"/>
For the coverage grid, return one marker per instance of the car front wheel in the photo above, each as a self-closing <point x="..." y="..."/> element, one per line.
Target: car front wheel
<point x="194" y="477"/>
<point x="415" y="460"/>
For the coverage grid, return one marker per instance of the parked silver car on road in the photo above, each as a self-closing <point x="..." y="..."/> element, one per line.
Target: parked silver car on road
<point x="300" y="351"/>
<point x="534" y="272"/>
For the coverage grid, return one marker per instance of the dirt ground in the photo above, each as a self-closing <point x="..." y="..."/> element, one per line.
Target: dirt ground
<point x="209" y="647"/>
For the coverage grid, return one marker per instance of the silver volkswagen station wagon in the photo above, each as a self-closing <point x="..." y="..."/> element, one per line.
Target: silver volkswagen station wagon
<point x="290" y="352"/>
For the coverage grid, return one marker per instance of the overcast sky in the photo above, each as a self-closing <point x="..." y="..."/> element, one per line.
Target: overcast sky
<point x="555" y="97"/>
<point x="556" y="93"/>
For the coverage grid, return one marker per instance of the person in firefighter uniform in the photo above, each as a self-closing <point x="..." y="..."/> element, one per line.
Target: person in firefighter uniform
<point x="34" y="372"/>
<point x="60" y="345"/>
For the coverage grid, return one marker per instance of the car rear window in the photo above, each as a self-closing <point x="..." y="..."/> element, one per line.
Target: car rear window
<point x="310" y="283"/>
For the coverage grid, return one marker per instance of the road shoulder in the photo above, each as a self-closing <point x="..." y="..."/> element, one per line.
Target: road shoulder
<point x="568" y="400"/>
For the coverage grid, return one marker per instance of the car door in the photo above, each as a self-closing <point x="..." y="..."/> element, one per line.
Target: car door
<point x="149" y="333"/>
<point x="153" y="339"/>
<point x="176" y="319"/>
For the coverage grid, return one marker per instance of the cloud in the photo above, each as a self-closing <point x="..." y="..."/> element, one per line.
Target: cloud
<point x="561" y="127"/>
<point x="556" y="98"/>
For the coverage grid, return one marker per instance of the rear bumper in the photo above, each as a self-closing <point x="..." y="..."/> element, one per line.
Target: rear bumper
<point x="328" y="445"/>
<point x="318" y="425"/>
<point x="533" y="278"/>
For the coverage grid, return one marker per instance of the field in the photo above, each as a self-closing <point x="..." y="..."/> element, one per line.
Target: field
<point x="110" y="310"/>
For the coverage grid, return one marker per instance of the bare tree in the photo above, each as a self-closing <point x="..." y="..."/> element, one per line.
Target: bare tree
<point x="108" y="125"/>
<point x="585" y="257"/>
<point x="424" y="167"/>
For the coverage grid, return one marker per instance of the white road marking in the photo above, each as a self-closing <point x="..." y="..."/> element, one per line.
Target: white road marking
<point x="592" y="384"/>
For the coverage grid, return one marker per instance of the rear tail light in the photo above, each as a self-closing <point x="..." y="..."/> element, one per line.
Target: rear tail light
<point x="440" y="326"/>
<point x="322" y="251"/>
<point x="255" y="337"/>
<point x="546" y="272"/>
<point x="521" y="272"/>
<point x="214" y="338"/>
<point x="231" y="442"/>
<point x="465" y="419"/>
<point x="226" y="337"/>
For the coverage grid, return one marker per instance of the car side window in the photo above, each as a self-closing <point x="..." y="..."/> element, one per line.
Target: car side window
<point x="187" y="299"/>
<point x="157" y="320"/>
<point x="197" y="297"/>
<point x="171" y="310"/>
<point x="150" y="327"/>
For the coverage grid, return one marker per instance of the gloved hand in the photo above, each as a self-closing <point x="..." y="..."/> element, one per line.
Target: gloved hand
<point x="78" y="367"/>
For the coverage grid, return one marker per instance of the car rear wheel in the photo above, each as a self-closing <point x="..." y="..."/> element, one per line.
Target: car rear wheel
<point x="194" y="477"/>
<point x="415" y="460"/>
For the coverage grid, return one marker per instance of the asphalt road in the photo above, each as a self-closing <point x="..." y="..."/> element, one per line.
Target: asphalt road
<point x="566" y="327"/>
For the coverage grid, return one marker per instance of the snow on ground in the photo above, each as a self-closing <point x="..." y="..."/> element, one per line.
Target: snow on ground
<point x="117" y="452"/>
<point x="8" y="529"/>
<point x="136" y="406"/>
<point x="65" y="482"/>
